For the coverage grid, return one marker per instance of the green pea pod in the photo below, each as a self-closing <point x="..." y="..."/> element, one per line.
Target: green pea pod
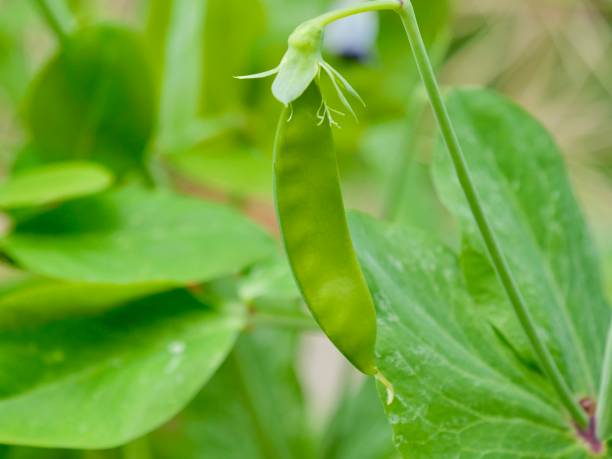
<point x="315" y="231"/>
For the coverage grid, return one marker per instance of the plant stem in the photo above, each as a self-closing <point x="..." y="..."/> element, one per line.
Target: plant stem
<point x="365" y="7"/>
<point x="58" y="16"/>
<point x="504" y="273"/>
<point x="604" y="400"/>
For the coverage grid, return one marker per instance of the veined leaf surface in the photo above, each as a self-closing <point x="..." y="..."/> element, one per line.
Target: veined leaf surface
<point x="520" y="177"/>
<point x="460" y="392"/>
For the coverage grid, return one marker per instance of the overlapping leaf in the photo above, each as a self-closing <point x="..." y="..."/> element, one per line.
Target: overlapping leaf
<point x="460" y="392"/>
<point x="520" y="177"/>
<point x="53" y="183"/>
<point x="251" y="409"/>
<point x="359" y="428"/>
<point x="40" y="300"/>
<point x="133" y="235"/>
<point x="466" y="382"/>
<point x="101" y="381"/>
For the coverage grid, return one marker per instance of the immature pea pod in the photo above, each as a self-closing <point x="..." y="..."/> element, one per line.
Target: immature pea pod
<point x="315" y="231"/>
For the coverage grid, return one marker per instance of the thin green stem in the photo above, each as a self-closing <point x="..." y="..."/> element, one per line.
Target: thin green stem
<point x="604" y="399"/>
<point x="549" y="367"/>
<point x="58" y="16"/>
<point x="366" y="7"/>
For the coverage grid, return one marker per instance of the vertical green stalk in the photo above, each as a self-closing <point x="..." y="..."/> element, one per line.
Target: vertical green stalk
<point x="604" y="400"/>
<point x="545" y="359"/>
<point x="58" y="16"/>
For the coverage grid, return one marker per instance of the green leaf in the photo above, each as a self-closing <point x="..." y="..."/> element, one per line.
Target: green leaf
<point x="133" y="236"/>
<point x="359" y="428"/>
<point x="182" y="71"/>
<point x="101" y="381"/>
<point x="251" y="409"/>
<point x="53" y="183"/>
<point x="460" y="392"/>
<point x="37" y="300"/>
<point x="522" y="182"/>
<point x="94" y="100"/>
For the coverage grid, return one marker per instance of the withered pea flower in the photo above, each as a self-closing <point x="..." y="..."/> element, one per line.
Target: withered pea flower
<point x="301" y="65"/>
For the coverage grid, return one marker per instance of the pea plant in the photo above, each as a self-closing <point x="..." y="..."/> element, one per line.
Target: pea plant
<point x="553" y="339"/>
<point x="139" y="322"/>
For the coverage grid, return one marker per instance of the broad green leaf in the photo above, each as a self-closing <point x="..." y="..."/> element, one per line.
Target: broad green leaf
<point x="38" y="300"/>
<point x="53" y="183"/>
<point x="132" y="236"/>
<point x="359" y="428"/>
<point x="523" y="185"/>
<point x="94" y="100"/>
<point x="459" y="390"/>
<point x="251" y="409"/>
<point x="100" y="381"/>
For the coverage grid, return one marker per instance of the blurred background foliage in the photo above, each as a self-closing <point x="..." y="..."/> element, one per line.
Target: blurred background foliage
<point x="146" y="88"/>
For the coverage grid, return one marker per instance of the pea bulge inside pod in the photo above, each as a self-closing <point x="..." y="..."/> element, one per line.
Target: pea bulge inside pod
<point x="315" y="231"/>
